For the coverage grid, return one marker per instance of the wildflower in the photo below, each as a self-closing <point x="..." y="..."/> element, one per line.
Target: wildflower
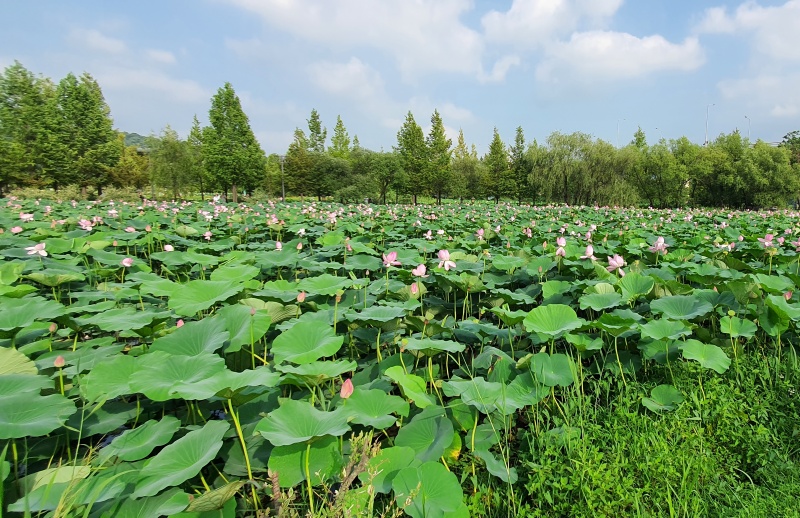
<point x="444" y="260"/>
<point x="127" y="262"/>
<point x="169" y="248"/>
<point x="659" y="246"/>
<point x="616" y="262"/>
<point x="37" y="250"/>
<point x="390" y="259"/>
<point x="589" y="253"/>
<point x="419" y="271"/>
<point x="347" y="389"/>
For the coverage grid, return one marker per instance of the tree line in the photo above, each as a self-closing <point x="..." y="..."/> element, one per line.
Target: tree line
<point x="58" y="134"/>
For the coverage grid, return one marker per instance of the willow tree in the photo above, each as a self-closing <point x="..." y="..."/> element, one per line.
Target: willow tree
<point x="231" y="153"/>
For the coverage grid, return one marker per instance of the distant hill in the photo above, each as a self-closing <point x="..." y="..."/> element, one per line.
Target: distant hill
<point x="134" y="139"/>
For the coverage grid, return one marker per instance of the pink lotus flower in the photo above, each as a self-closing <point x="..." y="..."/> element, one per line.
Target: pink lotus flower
<point x="278" y="245"/>
<point x="589" y="253"/>
<point x="766" y="241"/>
<point x="414" y="288"/>
<point x="299" y="246"/>
<point x="127" y="262"/>
<point x="179" y="323"/>
<point x="85" y="224"/>
<point x="25" y="217"/>
<point x="419" y="271"/>
<point x="207" y="235"/>
<point x="788" y="295"/>
<point x="169" y="248"/>
<point x="479" y="234"/>
<point x="444" y="260"/>
<point x="616" y="262"/>
<point x="659" y="246"/>
<point x="37" y="250"/>
<point x="390" y="259"/>
<point x="347" y="389"/>
<point x="59" y="362"/>
<point x="16" y="230"/>
<point x="130" y="229"/>
<point x="301" y="297"/>
<point x="561" y="241"/>
<point x="428" y="235"/>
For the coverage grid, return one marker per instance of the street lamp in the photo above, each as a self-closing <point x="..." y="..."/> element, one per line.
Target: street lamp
<point x="283" y="188"/>
<point x="618" y="121"/>
<point x="748" y="127"/>
<point x="707" y="107"/>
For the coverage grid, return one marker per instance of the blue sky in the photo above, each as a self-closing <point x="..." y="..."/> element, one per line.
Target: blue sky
<point x="603" y="67"/>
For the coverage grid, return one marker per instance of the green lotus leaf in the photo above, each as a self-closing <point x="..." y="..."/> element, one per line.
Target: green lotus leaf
<point x="709" y="356"/>
<point x="22" y="415"/>
<point x="736" y="327"/>
<point x="325" y="284"/>
<point x="497" y="467"/>
<point x="186" y="231"/>
<point x="635" y="285"/>
<point x="782" y="308"/>
<point x="376" y="315"/>
<point x="430" y="346"/>
<point x="508" y="317"/>
<point x="316" y="372"/>
<point x="297" y="421"/>
<point x="216" y="498"/>
<point x="306" y="343"/>
<point x="386" y="465"/>
<point x="245" y="324"/>
<point x="10" y="272"/>
<point x="324" y="458"/>
<point x="282" y="290"/>
<point x="584" y="342"/>
<point x="681" y="307"/>
<point x="121" y="319"/>
<point x="553" y="320"/>
<point x="363" y="262"/>
<point x="432" y="489"/>
<point x="664" y="329"/>
<point x="552" y="370"/>
<point x="476" y="392"/>
<point x="194" y="338"/>
<point x="11" y="384"/>
<point x="277" y="312"/>
<point x="194" y="257"/>
<point x="552" y="288"/>
<point x="106" y="258"/>
<point x="374" y="407"/>
<point x="663" y="398"/>
<point x="777" y="284"/>
<point x="109" y="379"/>
<point x="52" y="277"/>
<point x="600" y="301"/>
<point x="198" y="295"/>
<point x="140" y="442"/>
<point x="507" y="263"/>
<point x="615" y="324"/>
<point x="13" y="361"/>
<point x="523" y="391"/>
<point x="161" y="376"/>
<point x="181" y="460"/>
<point x="413" y="387"/>
<point x="235" y="273"/>
<point x="19" y="313"/>
<point x="168" y="503"/>
<point x="429" y="433"/>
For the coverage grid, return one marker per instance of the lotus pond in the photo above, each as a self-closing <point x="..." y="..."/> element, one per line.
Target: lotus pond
<point x="202" y="359"/>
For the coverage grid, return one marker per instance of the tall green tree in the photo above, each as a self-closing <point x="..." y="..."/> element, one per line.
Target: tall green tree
<point x="317" y="133"/>
<point x="231" y="152"/>
<point x="520" y="166"/>
<point x="413" y="155"/>
<point x="298" y="166"/>
<point x="340" y="141"/>
<point x="132" y="170"/>
<point x="499" y="181"/>
<point x="197" y="169"/>
<point x="791" y="141"/>
<point x="439" y="178"/>
<point x="170" y="163"/>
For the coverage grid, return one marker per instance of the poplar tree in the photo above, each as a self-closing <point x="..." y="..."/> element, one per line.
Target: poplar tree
<point x="412" y="150"/>
<point x="438" y="146"/>
<point x="340" y="141"/>
<point x="317" y="134"/>
<point x="231" y="153"/>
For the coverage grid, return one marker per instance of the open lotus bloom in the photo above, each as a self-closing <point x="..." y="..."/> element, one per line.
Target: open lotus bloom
<point x="37" y="250"/>
<point x="390" y="259"/>
<point x="444" y="260"/>
<point x="616" y="262"/>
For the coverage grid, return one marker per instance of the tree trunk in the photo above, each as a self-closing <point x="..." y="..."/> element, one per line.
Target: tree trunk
<point x="83" y="191"/>
<point x="234" y="193"/>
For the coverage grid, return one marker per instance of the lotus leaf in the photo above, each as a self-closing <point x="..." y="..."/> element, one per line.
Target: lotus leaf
<point x="297" y="421"/>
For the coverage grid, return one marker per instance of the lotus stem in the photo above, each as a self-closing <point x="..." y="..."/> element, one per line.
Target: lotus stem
<point x="238" y="426"/>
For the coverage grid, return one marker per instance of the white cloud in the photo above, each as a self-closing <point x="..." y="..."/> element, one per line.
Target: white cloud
<point x="534" y="23"/>
<point x="354" y="79"/>
<point x="774" y="30"/>
<point x="500" y="69"/>
<point x="608" y="56"/>
<point x="778" y="95"/>
<point x="422" y="36"/>
<point x="97" y="41"/>
<point x="138" y="79"/>
<point x="161" y="56"/>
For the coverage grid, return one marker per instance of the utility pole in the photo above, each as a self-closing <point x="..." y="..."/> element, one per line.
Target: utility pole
<point x="748" y="127"/>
